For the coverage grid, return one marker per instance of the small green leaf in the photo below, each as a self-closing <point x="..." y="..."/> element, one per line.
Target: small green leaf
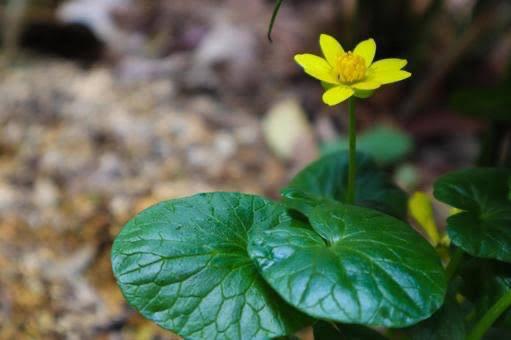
<point x="327" y="178"/>
<point x="386" y="145"/>
<point x="483" y="229"/>
<point x="369" y="268"/>
<point x="184" y="265"/>
<point x="329" y="331"/>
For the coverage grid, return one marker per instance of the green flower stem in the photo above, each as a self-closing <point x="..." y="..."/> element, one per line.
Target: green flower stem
<point x="274" y="17"/>
<point x="352" y="170"/>
<point x="454" y="263"/>
<point x="490" y="317"/>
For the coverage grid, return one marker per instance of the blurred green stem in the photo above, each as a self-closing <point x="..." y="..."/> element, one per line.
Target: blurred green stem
<point x="454" y="263"/>
<point x="352" y="171"/>
<point x="490" y="317"/>
<point x="491" y="144"/>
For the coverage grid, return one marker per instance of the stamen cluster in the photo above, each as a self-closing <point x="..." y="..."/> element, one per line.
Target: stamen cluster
<point x="350" y="68"/>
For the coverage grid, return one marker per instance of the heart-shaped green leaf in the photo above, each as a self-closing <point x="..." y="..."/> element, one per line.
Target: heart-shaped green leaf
<point x="483" y="229"/>
<point x="184" y="264"/>
<point x="370" y="268"/>
<point x="328" y="178"/>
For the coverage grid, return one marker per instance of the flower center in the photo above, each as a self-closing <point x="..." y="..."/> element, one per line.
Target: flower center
<point x="350" y="68"/>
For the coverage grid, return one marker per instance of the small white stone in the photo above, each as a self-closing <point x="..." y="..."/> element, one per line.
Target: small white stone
<point x="46" y="194"/>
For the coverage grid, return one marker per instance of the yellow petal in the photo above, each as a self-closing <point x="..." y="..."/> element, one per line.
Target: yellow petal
<point x="331" y="48"/>
<point x="337" y="95"/>
<point x="316" y="67"/>
<point x="421" y="209"/>
<point x="387" y="77"/>
<point x="366" y="49"/>
<point x="387" y="65"/>
<point x="366" y="85"/>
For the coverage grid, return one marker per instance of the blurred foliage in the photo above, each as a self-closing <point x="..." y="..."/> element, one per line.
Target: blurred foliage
<point x="484" y="282"/>
<point x="385" y="144"/>
<point x="484" y="103"/>
<point x="494" y="106"/>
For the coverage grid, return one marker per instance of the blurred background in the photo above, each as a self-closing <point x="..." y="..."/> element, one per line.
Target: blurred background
<point x="108" y="106"/>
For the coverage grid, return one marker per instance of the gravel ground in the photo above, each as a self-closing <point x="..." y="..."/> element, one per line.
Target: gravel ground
<point x="80" y="153"/>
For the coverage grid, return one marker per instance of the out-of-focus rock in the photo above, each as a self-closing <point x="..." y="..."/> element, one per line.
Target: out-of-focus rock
<point x="132" y="69"/>
<point x="284" y="126"/>
<point x="225" y="55"/>
<point x="225" y="145"/>
<point x="72" y="266"/>
<point x="175" y="189"/>
<point x="225" y="42"/>
<point x="9" y="197"/>
<point x="97" y="16"/>
<point x="46" y="194"/>
<point x="67" y="152"/>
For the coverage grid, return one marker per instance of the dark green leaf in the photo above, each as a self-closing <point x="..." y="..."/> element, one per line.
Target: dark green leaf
<point x="384" y="144"/>
<point x="370" y="268"/>
<point x="484" y="283"/>
<point x="473" y="189"/>
<point x="184" y="264"/>
<point x="324" y="330"/>
<point x="448" y="323"/>
<point x="498" y="333"/>
<point x="327" y="179"/>
<point x="483" y="229"/>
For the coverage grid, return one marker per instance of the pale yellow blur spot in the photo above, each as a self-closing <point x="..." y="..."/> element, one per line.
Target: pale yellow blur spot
<point x="421" y="209"/>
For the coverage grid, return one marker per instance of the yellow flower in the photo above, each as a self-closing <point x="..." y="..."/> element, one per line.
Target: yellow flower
<point x="346" y="74"/>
